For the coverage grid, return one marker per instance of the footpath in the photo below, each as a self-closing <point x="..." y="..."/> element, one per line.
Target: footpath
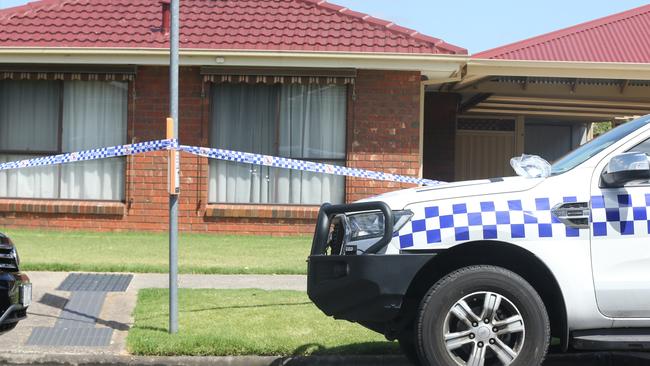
<point x="104" y="308"/>
<point x="83" y="319"/>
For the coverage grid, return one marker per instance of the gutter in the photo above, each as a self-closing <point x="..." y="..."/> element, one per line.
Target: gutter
<point x="438" y="68"/>
<point x="433" y="66"/>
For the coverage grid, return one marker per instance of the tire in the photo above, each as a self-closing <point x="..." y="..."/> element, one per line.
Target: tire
<point x="521" y="340"/>
<point x="407" y="345"/>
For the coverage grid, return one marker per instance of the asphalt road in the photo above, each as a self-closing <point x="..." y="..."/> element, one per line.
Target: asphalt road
<point x="582" y="359"/>
<point x="600" y="359"/>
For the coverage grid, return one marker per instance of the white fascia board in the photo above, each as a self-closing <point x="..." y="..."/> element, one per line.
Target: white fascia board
<point x="433" y="66"/>
<point x="567" y="69"/>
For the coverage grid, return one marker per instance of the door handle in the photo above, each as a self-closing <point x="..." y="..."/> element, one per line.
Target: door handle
<point x="573" y="214"/>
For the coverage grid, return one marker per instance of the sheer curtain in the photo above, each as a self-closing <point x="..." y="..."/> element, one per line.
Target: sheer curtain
<point x="243" y="118"/>
<point x="29" y="115"/>
<point x="293" y="120"/>
<point x="94" y="115"/>
<point x="312" y="127"/>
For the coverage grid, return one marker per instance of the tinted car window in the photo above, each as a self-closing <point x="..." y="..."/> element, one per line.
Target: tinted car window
<point x="643" y="147"/>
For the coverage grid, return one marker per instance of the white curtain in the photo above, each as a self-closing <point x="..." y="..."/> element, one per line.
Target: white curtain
<point x="243" y="118"/>
<point x="293" y="120"/>
<point x="29" y="115"/>
<point x="312" y="127"/>
<point x="94" y="115"/>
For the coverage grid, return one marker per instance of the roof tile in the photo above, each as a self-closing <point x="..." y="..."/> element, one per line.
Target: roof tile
<point x="621" y="37"/>
<point x="290" y="25"/>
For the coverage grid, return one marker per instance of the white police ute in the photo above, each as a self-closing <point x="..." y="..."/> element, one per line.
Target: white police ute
<point x="489" y="272"/>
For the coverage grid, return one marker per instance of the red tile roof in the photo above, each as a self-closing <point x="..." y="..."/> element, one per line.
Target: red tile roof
<point x="280" y="25"/>
<point x="623" y="37"/>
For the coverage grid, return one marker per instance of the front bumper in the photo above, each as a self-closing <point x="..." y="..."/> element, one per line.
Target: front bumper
<point x="368" y="288"/>
<point x="15" y="297"/>
<point x="362" y="288"/>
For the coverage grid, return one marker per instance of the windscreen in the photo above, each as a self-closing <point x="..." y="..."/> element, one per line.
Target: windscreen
<point x="586" y="151"/>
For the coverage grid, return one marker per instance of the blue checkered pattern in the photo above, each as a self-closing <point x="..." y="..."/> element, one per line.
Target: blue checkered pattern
<point x="221" y="154"/>
<point x="620" y="214"/>
<point x="94" y="154"/>
<point x="307" y="166"/>
<point x="485" y="220"/>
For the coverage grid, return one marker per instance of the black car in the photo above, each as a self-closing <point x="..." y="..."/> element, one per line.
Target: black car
<point x="15" y="288"/>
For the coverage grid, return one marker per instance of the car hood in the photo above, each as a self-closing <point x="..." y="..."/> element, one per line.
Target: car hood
<point x="398" y="200"/>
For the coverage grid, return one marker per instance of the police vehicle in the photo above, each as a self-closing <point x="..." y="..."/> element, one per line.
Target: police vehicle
<point x="489" y="272"/>
<point x="15" y="287"/>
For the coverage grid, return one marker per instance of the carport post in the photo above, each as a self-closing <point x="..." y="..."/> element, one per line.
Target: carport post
<point x="173" y="191"/>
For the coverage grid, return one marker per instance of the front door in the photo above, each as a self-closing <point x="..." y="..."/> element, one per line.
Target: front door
<point x="620" y="242"/>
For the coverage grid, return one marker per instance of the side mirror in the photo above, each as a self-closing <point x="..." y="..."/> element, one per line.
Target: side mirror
<point x="625" y="168"/>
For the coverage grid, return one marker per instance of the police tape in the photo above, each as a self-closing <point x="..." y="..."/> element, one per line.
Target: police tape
<point x="302" y="165"/>
<point x="220" y="154"/>
<point x="93" y="154"/>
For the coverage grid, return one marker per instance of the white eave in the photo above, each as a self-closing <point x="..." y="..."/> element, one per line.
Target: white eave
<point x="434" y="67"/>
<point x="562" y="69"/>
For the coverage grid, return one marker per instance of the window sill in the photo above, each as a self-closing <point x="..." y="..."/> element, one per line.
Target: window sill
<point x="63" y="207"/>
<point x="262" y="211"/>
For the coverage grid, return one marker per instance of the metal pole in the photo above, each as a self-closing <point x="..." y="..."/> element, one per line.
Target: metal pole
<point x="173" y="198"/>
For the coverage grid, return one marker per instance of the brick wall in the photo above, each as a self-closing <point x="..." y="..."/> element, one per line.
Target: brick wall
<point x="383" y="129"/>
<point x="383" y="134"/>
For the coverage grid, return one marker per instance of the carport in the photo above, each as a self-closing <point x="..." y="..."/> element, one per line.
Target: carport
<point x="538" y="96"/>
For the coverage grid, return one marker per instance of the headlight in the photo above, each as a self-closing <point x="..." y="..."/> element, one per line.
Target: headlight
<point x="371" y="224"/>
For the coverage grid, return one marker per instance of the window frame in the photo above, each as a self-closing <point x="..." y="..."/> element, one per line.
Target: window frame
<point x="59" y="150"/>
<point x="276" y="147"/>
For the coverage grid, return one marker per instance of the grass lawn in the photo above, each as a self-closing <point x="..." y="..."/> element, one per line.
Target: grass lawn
<point x="148" y="252"/>
<point x="245" y="322"/>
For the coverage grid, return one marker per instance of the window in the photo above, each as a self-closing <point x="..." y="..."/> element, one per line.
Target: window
<point x="289" y="120"/>
<point x="643" y="147"/>
<point x="40" y="118"/>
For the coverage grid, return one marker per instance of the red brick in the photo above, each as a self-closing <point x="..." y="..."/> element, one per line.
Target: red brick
<point x="383" y="134"/>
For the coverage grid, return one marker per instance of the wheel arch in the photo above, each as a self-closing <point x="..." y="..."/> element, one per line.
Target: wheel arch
<point x="502" y="254"/>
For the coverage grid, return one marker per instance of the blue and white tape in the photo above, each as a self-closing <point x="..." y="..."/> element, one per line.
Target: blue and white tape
<point x="93" y="154"/>
<point x="220" y="154"/>
<point x="302" y="165"/>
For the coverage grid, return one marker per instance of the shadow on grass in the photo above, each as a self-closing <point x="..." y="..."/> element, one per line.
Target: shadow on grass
<point x="358" y="354"/>
<point x="230" y="307"/>
<point x="364" y="348"/>
<point x="150" y="328"/>
<point x="246" y="307"/>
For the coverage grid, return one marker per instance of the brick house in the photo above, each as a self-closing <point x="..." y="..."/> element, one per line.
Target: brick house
<point x="304" y="79"/>
<point x="298" y="78"/>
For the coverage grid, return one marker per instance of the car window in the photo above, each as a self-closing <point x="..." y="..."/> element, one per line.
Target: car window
<point x="643" y="147"/>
